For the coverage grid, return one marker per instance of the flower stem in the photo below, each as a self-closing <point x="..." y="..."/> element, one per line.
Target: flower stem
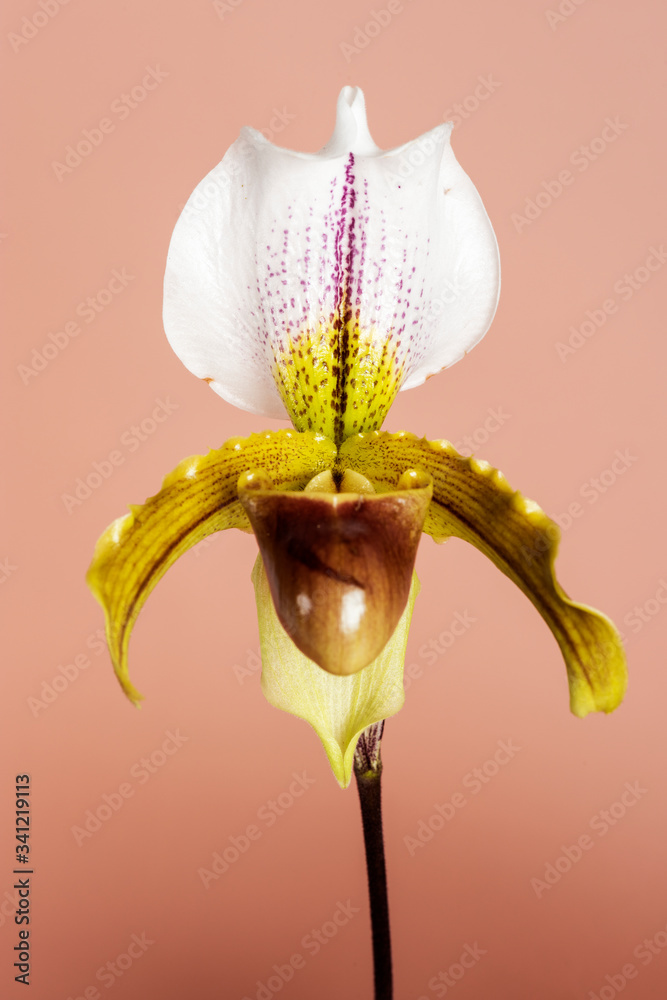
<point x="368" y="772"/>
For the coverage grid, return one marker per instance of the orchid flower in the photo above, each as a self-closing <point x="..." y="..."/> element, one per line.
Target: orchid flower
<point x="318" y="286"/>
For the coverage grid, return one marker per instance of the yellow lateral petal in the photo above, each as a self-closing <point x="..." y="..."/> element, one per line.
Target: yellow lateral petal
<point x="196" y="499"/>
<point x="338" y="708"/>
<point x="473" y="501"/>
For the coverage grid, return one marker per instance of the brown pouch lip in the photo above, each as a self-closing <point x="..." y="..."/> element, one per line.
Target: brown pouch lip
<point x="339" y="565"/>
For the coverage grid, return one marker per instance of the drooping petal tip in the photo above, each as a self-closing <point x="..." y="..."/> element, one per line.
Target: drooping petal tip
<point x="197" y="498"/>
<point x="474" y="501"/>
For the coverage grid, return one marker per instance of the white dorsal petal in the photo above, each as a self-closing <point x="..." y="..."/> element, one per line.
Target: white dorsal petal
<point x="274" y="247"/>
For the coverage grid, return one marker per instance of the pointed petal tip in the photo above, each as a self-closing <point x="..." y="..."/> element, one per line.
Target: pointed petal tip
<point x="197" y="498"/>
<point x="337" y="708"/>
<point x="129" y="689"/>
<point x="351" y="133"/>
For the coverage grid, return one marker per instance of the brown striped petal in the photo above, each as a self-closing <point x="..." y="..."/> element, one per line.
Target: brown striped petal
<point x="474" y="501"/>
<point x="196" y="499"/>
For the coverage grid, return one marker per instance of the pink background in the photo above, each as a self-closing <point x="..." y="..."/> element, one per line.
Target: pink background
<point x="550" y="89"/>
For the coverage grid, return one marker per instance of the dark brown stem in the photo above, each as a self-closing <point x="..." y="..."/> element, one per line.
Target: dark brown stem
<point x="368" y="772"/>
